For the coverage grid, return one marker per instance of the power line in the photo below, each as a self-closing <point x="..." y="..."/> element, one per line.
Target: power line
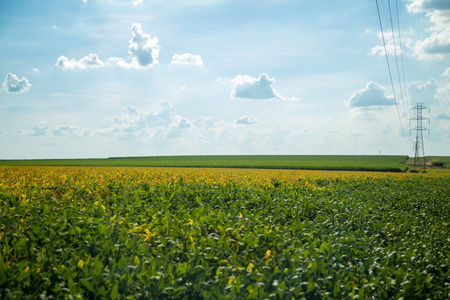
<point x="417" y="60"/>
<point x="389" y="68"/>
<point x="401" y="54"/>
<point x="395" y="53"/>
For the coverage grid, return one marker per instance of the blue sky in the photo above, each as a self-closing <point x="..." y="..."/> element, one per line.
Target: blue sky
<point x="100" y="78"/>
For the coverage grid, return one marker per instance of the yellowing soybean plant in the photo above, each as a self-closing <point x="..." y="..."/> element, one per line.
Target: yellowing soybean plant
<point x="152" y="233"/>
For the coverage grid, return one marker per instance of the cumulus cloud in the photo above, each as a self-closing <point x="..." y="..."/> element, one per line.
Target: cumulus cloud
<point x="187" y="59"/>
<point x="372" y="95"/>
<point x="391" y="48"/>
<point x="12" y="84"/>
<point x="245" y="120"/>
<point x="437" y="45"/>
<point x="143" y="50"/>
<point x="204" y="122"/>
<point x="163" y="126"/>
<point x="39" y="130"/>
<point x="134" y="124"/>
<point x="255" y="88"/>
<point x="90" y="61"/>
<point x="70" y="130"/>
<point x="423" y="93"/>
<point x="425" y="5"/>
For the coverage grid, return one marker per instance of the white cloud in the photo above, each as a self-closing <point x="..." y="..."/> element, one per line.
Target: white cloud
<point x="12" y="84"/>
<point x="204" y="122"/>
<point x="90" y="61"/>
<point x="143" y="50"/>
<point x="372" y="95"/>
<point x="245" y="120"/>
<point x="187" y="59"/>
<point x="177" y="128"/>
<point x="423" y="93"/>
<point x="425" y="5"/>
<point x="39" y="130"/>
<point x="70" y="130"/>
<point x="391" y="49"/>
<point x="437" y="45"/>
<point x="163" y="126"/>
<point x="446" y="72"/>
<point x="137" y="2"/>
<point x="161" y="123"/>
<point x="36" y="70"/>
<point x="255" y="88"/>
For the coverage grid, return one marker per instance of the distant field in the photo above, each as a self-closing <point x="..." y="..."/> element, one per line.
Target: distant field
<point x="388" y="163"/>
<point x="439" y="161"/>
<point x="434" y="161"/>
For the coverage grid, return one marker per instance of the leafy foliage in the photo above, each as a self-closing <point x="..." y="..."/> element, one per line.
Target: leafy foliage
<point x="193" y="233"/>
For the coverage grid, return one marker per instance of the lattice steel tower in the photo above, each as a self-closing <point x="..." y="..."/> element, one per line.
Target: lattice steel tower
<point x="419" y="150"/>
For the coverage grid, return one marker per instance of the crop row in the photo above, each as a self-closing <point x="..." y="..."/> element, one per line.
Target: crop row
<point x="172" y="233"/>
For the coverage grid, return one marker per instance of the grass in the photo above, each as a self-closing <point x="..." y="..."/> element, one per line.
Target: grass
<point x="389" y="163"/>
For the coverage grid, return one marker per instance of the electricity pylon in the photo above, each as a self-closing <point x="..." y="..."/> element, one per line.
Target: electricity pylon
<point x="419" y="150"/>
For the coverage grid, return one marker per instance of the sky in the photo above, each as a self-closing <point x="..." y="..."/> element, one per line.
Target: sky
<point x="103" y="78"/>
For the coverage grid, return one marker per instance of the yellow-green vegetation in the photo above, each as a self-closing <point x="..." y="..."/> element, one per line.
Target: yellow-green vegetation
<point x="152" y="233"/>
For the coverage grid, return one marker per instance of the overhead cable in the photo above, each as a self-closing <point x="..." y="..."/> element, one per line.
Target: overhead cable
<point x="401" y="56"/>
<point x="395" y="55"/>
<point x="389" y="68"/>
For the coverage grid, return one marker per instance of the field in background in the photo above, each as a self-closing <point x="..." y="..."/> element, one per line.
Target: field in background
<point x="386" y="163"/>
<point x="439" y="161"/>
<point x="187" y="233"/>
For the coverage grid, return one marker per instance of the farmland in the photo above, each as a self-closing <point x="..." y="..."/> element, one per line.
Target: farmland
<point x="389" y="163"/>
<point x="89" y="232"/>
<point x="440" y="161"/>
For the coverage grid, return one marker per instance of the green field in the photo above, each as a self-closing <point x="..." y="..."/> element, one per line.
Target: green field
<point x="147" y="233"/>
<point x="439" y="161"/>
<point x="390" y="163"/>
